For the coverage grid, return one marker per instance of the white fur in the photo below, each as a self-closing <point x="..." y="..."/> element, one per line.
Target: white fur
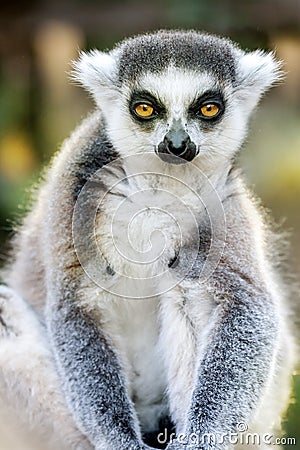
<point x="141" y="329"/>
<point x="31" y="399"/>
<point x="177" y="89"/>
<point x="257" y="71"/>
<point x="96" y="71"/>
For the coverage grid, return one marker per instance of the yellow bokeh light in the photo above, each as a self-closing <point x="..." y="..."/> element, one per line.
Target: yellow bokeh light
<point x="17" y="157"/>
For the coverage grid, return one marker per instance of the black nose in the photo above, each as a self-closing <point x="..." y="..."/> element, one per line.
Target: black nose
<point x="176" y="142"/>
<point x="177" y="147"/>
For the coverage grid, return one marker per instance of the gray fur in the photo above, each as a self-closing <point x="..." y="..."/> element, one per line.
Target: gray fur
<point x="93" y="379"/>
<point x="204" y="354"/>
<point x="191" y="50"/>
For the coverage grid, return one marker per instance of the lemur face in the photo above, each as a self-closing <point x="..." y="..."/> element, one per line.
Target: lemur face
<point x="180" y="115"/>
<point x="181" y="95"/>
<point x="177" y="109"/>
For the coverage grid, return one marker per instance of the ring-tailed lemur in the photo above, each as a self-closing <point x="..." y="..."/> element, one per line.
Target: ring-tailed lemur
<point x="148" y="260"/>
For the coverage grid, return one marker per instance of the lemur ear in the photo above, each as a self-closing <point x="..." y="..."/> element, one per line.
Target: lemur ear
<point x="96" y="71"/>
<point x="256" y="72"/>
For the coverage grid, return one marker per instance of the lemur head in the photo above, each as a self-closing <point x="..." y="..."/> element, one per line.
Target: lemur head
<point x="182" y="95"/>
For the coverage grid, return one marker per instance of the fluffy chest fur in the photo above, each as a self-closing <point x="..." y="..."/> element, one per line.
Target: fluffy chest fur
<point x="142" y="223"/>
<point x="147" y="216"/>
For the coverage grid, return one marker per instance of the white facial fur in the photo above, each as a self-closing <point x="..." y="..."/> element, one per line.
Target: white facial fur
<point x="177" y="88"/>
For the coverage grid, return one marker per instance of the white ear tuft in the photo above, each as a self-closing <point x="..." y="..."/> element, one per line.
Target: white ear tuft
<point x="96" y="71"/>
<point x="256" y="72"/>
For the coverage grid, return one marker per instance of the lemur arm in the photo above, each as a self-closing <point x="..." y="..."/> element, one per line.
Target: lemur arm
<point x="237" y="362"/>
<point x="90" y="372"/>
<point x="236" y="365"/>
<point x="92" y="381"/>
<point x="89" y="369"/>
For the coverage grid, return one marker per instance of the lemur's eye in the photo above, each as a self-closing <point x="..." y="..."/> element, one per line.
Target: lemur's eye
<point x="144" y="110"/>
<point x="209" y="107"/>
<point x="210" y="110"/>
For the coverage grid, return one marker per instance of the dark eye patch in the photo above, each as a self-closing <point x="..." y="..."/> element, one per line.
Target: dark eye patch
<point x="209" y="97"/>
<point x="139" y="97"/>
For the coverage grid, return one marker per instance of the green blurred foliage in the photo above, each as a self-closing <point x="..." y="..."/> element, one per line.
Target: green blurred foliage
<point x="292" y="421"/>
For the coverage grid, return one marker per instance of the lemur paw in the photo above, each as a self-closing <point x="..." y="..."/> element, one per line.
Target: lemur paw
<point x="8" y="312"/>
<point x="16" y="318"/>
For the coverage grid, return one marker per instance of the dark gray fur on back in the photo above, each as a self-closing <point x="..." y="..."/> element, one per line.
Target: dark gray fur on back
<point x="94" y="153"/>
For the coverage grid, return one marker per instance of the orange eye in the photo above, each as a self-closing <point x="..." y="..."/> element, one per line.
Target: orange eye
<point x="144" y="110"/>
<point x="209" y="110"/>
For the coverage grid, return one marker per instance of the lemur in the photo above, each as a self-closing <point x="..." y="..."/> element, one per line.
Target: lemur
<point x="143" y="297"/>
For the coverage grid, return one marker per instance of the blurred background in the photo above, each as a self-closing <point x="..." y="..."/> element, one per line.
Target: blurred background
<point x="39" y="106"/>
